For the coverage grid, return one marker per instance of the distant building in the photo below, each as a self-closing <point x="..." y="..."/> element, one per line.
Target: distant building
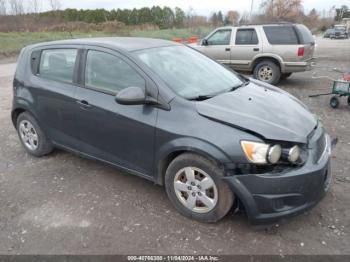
<point x="347" y="22"/>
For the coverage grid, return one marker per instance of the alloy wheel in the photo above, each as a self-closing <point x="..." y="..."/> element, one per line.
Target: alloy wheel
<point x="195" y="189"/>
<point x="28" y="135"/>
<point x="265" y="73"/>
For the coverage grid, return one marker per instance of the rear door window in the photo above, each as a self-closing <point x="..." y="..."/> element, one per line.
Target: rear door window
<point x="220" y="37"/>
<point x="281" y="35"/>
<point x="246" y="37"/>
<point x="58" y="64"/>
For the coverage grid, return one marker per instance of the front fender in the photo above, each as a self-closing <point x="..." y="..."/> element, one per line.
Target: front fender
<point x="186" y="144"/>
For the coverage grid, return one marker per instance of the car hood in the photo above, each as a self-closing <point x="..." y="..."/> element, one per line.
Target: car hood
<point x="263" y="109"/>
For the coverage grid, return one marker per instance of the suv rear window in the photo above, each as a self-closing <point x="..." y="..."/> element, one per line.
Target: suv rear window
<point x="281" y="35"/>
<point x="58" y="64"/>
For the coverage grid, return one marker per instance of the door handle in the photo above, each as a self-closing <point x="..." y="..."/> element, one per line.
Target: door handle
<point x="84" y="104"/>
<point x="255" y="49"/>
<point x="227" y="49"/>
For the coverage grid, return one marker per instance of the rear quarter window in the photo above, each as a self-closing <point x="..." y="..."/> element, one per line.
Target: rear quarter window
<point x="281" y="35"/>
<point x="304" y="34"/>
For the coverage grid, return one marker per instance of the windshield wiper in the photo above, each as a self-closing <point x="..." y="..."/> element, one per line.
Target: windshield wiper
<point x="240" y="85"/>
<point x="200" y="97"/>
<point x="245" y="82"/>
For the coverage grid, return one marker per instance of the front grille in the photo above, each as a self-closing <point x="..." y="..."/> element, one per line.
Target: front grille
<point x="320" y="146"/>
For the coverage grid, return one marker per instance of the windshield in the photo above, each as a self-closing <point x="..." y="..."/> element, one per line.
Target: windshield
<point x="189" y="73"/>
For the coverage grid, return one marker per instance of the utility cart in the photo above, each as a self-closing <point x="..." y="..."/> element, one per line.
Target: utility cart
<point x="341" y="87"/>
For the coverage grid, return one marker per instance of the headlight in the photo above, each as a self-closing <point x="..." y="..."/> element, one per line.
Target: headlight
<point x="260" y="153"/>
<point x="294" y="154"/>
<point x="274" y="154"/>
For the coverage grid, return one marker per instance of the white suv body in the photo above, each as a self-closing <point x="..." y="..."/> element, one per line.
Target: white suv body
<point x="271" y="51"/>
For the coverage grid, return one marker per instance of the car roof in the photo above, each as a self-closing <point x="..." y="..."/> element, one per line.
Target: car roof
<point x="256" y="25"/>
<point x="126" y="43"/>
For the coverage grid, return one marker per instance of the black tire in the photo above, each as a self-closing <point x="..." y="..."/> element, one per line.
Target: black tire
<point x="43" y="145"/>
<point x="271" y="76"/>
<point x="334" y="102"/>
<point x="285" y="75"/>
<point x="349" y="100"/>
<point x="225" y="196"/>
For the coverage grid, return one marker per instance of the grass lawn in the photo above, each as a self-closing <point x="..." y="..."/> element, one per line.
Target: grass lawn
<point x="12" y="43"/>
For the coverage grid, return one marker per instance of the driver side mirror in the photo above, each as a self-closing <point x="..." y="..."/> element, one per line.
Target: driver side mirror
<point x="205" y="42"/>
<point x="134" y="95"/>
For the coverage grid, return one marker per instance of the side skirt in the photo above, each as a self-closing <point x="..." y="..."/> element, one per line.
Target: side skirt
<point x="82" y="154"/>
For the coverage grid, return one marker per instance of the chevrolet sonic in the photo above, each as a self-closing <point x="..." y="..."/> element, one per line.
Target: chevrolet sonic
<point x="165" y="112"/>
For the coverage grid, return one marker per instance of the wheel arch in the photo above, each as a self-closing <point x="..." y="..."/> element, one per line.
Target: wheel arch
<point x="274" y="58"/>
<point x="15" y="113"/>
<point x="170" y="151"/>
<point x="20" y="107"/>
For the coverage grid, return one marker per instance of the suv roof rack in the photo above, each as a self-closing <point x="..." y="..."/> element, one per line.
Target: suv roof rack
<point x="275" y="23"/>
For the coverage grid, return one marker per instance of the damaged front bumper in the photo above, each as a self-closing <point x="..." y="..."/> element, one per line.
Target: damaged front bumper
<point x="270" y="197"/>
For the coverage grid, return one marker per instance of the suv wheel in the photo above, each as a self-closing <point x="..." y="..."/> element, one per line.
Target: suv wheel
<point x="194" y="186"/>
<point x="267" y="71"/>
<point x="32" y="137"/>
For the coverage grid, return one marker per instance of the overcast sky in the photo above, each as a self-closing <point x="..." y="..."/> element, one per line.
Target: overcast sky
<point x="201" y="7"/>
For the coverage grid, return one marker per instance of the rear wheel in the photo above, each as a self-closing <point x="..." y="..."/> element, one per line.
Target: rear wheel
<point x="31" y="135"/>
<point x="267" y="71"/>
<point x="334" y="102"/>
<point x="195" y="187"/>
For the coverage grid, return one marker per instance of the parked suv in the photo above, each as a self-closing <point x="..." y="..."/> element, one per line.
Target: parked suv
<point x="272" y="51"/>
<point x="167" y="113"/>
<point x="339" y="33"/>
<point x="329" y="32"/>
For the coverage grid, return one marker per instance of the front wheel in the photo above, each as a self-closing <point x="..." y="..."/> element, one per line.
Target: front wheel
<point x="267" y="71"/>
<point x="195" y="187"/>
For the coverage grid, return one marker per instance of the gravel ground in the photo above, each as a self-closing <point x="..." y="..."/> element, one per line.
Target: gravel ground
<point x="64" y="204"/>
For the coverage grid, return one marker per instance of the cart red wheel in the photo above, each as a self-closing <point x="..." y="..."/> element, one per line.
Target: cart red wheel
<point x="334" y="102"/>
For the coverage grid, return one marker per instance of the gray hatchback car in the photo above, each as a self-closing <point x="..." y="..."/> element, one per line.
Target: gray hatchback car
<point x="167" y="113"/>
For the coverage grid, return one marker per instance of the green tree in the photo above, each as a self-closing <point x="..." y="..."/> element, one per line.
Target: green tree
<point x="123" y="15"/>
<point x="168" y="18"/>
<point x="157" y="15"/>
<point x="145" y="15"/>
<point x="214" y="19"/>
<point x="134" y="17"/>
<point x="179" y="17"/>
<point x="220" y="18"/>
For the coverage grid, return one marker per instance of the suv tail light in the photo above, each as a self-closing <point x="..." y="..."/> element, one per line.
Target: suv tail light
<point x="301" y="51"/>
